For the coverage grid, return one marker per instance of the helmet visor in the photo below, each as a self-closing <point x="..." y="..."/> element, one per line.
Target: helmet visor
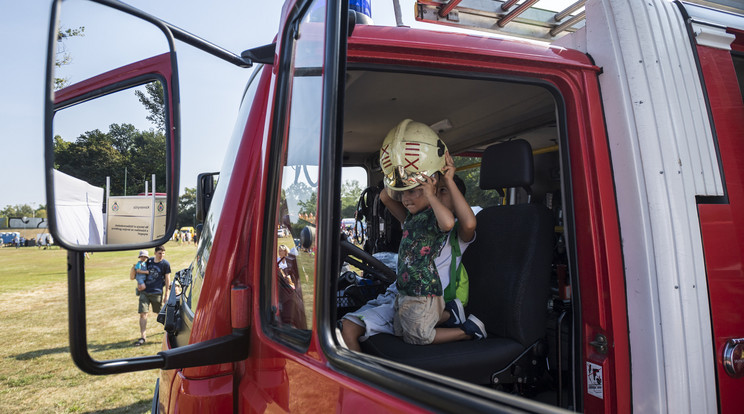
<point x="400" y="180"/>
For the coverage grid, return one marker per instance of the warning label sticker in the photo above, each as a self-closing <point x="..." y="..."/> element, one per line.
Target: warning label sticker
<point x="594" y="380"/>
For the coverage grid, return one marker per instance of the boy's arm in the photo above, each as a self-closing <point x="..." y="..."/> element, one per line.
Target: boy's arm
<point x="463" y="212"/>
<point x="444" y="216"/>
<point x="395" y="207"/>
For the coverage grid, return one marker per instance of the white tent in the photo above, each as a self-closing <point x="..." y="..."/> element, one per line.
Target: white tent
<point x="78" y="208"/>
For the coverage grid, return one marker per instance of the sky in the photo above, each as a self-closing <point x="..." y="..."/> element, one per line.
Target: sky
<point x="210" y="88"/>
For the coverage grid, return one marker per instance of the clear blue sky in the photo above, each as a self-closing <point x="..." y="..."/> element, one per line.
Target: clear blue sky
<point x="210" y="88"/>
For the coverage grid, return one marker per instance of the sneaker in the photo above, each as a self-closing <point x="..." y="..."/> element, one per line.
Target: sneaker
<point x="474" y="327"/>
<point x="457" y="314"/>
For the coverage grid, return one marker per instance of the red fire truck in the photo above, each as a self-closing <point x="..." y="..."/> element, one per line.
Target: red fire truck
<point x="608" y="268"/>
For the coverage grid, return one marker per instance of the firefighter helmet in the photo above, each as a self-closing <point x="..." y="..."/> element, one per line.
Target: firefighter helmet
<point x="410" y="150"/>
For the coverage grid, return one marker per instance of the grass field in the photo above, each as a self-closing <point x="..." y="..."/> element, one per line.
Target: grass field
<point x="37" y="374"/>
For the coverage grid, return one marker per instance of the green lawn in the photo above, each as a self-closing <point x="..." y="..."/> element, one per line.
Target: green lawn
<point x="37" y="374"/>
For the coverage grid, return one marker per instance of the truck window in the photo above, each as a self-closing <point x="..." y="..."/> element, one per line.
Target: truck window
<point x="293" y="278"/>
<point x="199" y="265"/>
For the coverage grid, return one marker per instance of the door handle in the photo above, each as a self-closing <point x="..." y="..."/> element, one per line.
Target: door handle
<point x="733" y="357"/>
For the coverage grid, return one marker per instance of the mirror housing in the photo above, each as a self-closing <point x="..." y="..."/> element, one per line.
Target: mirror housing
<point x="87" y="198"/>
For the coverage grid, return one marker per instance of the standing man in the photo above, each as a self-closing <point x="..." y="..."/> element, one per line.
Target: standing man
<point x="156" y="290"/>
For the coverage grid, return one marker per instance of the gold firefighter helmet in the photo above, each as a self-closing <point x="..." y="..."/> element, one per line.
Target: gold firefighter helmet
<point x="410" y="150"/>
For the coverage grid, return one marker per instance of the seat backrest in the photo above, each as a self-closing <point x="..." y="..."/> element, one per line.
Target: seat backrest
<point x="509" y="263"/>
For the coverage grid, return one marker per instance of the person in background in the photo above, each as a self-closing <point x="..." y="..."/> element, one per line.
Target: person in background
<point x="156" y="292"/>
<point x="140" y="271"/>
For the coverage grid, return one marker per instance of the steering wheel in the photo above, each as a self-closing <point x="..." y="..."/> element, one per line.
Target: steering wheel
<point x="365" y="261"/>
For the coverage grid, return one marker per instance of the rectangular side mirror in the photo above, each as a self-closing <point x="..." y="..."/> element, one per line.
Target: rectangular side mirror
<point x="111" y="130"/>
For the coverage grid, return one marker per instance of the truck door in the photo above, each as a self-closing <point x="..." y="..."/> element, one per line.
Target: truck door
<point x="286" y="369"/>
<point x="722" y="220"/>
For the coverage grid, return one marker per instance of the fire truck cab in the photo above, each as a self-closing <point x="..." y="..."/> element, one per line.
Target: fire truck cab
<point x="607" y="264"/>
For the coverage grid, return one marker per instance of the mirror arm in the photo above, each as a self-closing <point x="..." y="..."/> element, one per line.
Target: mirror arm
<point x="209" y="47"/>
<point x="78" y="335"/>
<point x="182" y="35"/>
<point x="229" y="348"/>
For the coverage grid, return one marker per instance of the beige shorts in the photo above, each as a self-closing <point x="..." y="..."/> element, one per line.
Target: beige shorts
<point x="416" y="317"/>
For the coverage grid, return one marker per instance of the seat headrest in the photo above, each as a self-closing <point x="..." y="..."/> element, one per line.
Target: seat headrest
<point x="507" y="165"/>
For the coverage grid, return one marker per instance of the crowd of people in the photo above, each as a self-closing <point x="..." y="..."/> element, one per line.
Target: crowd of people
<point x="17" y="240"/>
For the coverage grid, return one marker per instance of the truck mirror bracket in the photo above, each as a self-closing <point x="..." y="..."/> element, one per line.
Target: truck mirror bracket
<point x="229" y="348"/>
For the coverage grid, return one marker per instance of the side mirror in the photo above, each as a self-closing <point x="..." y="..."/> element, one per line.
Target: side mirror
<point x="205" y="186"/>
<point x="112" y="134"/>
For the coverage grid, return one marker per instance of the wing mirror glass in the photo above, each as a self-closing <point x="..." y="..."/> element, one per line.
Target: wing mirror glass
<point x="111" y="136"/>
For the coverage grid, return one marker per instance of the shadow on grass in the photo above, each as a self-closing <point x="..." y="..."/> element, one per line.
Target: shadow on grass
<point x="141" y="406"/>
<point x="91" y="347"/>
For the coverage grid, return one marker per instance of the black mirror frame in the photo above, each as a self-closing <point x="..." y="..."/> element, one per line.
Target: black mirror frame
<point x="172" y="120"/>
<point x="233" y="347"/>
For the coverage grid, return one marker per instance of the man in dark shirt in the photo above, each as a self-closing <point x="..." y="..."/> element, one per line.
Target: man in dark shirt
<point x="156" y="289"/>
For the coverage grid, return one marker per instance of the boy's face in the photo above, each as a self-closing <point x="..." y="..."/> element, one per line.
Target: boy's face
<point x="142" y="258"/>
<point x="413" y="200"/>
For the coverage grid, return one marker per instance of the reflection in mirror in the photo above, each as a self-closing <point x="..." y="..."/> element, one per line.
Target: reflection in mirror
<point x="110" y="168"/>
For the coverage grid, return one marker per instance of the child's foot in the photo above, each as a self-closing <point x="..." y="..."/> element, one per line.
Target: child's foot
<point x="474" y="327"/>
<point x="457" y="314"/>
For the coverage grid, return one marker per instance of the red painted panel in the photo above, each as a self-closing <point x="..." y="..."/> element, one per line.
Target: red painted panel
<point x="722" y="225"/>
<point x="213" y="395"/>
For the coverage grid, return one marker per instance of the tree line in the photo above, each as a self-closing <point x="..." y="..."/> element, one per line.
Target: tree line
<point x="125" y="154"/>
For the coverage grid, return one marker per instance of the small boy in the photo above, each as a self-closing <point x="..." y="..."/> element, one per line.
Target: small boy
<point x="377" y="315"/>
<point x="413" y="158"/>
<point x="410" y="303"/>
<point x="140" y="271"/>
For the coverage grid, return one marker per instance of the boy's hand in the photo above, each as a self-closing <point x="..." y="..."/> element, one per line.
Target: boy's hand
<point x="449" y="167"/>
<point x="429" y="186"/>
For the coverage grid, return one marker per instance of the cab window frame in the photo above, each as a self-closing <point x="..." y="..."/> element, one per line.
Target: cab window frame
<point x="296" y="339"/>
<point x="390" y="375"/>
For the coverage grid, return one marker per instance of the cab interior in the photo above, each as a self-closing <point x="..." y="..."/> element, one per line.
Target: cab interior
<point x="506" y="137"/>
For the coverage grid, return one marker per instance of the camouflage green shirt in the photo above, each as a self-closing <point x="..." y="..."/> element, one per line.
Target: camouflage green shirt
<point x="422" y="240"/>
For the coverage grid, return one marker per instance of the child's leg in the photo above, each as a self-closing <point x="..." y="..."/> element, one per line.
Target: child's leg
<point x="416" y="318"/>
<point x="444" y="335"/>
<point x="444" y="318"/>
<point x="350" y="332"/>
